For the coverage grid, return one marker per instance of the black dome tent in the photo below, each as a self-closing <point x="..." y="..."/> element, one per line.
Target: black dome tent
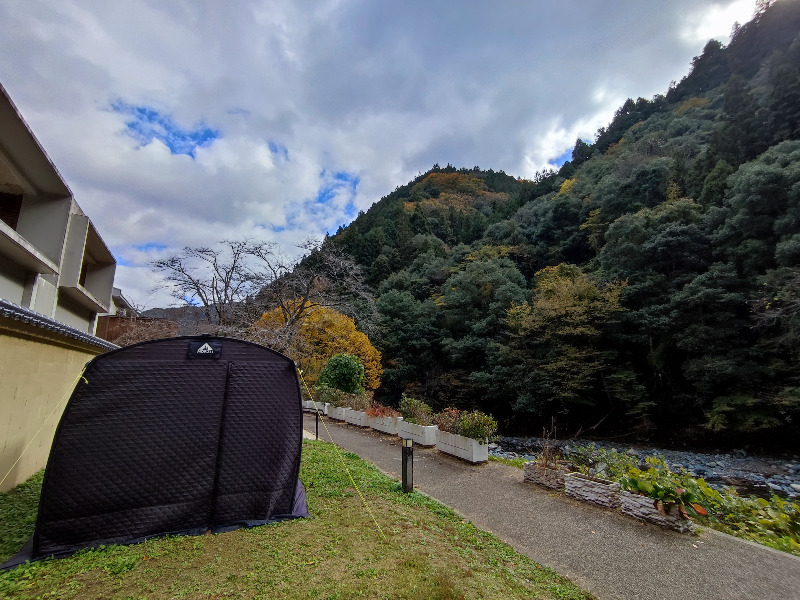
<point x="172" y="436"/>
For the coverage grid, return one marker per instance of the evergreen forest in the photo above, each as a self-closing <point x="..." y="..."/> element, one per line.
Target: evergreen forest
<point x="647" y="290"/>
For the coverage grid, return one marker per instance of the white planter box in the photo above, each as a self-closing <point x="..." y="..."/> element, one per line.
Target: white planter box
<point x="591" y="489"/>
<point x="309" y="406"/>
<point x="424" y="435"/>
<point x="474" y="451"/>
<point x="337" y="412"/>
<point x="356" y="417"/>
<point x="643" y="507"/>
<point x="385" y="424"/>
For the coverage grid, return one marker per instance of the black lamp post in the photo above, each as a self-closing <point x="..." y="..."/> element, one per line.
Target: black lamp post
<point x="408" y="466"/>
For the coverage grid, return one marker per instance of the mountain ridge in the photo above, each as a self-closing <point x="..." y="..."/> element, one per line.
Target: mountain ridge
<point x="689" y="201"/>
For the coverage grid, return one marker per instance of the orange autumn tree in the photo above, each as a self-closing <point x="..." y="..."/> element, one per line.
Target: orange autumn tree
<point x="320" y="334"/>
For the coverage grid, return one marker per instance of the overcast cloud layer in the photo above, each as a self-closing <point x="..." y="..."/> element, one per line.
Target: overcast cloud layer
<point x="184" y="123"/>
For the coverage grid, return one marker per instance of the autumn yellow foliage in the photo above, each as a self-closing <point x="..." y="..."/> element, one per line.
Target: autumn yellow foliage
<point x="322" y="333"/>
<point x="566" y="186"/>
<point x="691" y="104"/>
<point x="453" y="183"/>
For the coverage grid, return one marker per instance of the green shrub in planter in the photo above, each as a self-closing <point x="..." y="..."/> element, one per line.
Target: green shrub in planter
<point x="665" y="488"/>
<point x="476" y="425"/>
<point x="774" y="522"/>
<point x="415" y="411"/>
<point x="343" y="372"/>
<point x="608" y="464"/>
<point x="360" y="401"/>
<point x="331" y="395"/>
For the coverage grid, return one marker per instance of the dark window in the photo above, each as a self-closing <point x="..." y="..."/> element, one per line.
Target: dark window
<point x="10" y="205"/>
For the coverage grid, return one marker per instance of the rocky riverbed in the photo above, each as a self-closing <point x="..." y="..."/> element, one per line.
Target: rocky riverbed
<point x="759" y="475"/>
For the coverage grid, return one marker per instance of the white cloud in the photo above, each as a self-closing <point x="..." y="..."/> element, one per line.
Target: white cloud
<point x="298" y="91"/>
<point x="716" y="21"/>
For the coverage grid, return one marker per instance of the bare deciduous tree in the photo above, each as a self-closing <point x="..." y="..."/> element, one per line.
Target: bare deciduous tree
<point x="236" y="282"/>
<point x="215" y="279"/>
<point x="143" y="329"/>
<point x="325" y="276"/>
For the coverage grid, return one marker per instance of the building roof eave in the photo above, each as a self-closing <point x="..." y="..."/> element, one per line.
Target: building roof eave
<point x="11" y="311"/>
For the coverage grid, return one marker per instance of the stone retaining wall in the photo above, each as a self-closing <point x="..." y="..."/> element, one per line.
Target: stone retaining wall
<point x="591" y="489"/>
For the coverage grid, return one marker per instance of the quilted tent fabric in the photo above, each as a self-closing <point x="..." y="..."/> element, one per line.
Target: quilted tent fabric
<point x="175" y="436"/>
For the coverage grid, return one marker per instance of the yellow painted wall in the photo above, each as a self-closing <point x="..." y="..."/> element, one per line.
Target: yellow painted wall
<point x="38" y="370"/>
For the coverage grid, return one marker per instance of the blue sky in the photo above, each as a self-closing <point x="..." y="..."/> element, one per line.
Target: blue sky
<point x="278" y="150"/>
<point x="179" y="124"/>
<point x="336" y="196"/>
<point x="145" y="124"/>
<point x="340" y="191"/>
<point x="560" y="160"/>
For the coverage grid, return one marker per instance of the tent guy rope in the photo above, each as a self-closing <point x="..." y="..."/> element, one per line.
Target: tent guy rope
<point x="64" y="398"/>
<point x="340" y="454"/>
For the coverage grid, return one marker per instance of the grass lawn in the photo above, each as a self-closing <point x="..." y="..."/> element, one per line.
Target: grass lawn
<point x="428" y="552"/>
<point x="519" y="463"/>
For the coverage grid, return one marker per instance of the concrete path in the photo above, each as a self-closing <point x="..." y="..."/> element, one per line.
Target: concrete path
<point x="606" y="553"/>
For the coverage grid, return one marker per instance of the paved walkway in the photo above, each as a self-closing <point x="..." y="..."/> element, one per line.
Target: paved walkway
<point x="604" y="552"/>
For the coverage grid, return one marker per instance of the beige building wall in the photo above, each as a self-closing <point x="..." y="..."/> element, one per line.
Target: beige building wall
<point x="12" y="281"/>
<point x="73" y="314"/>
<point x="39" y="372"/>
<point x="44" y="294"/>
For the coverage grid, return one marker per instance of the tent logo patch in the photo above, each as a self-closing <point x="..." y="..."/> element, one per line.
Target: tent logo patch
<point x="205" y="348"/>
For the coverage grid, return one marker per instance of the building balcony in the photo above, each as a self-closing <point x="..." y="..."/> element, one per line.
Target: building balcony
<point x="20" y="251"/>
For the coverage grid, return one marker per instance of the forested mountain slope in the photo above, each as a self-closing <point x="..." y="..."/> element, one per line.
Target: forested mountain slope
<point x="650" y="287"/>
